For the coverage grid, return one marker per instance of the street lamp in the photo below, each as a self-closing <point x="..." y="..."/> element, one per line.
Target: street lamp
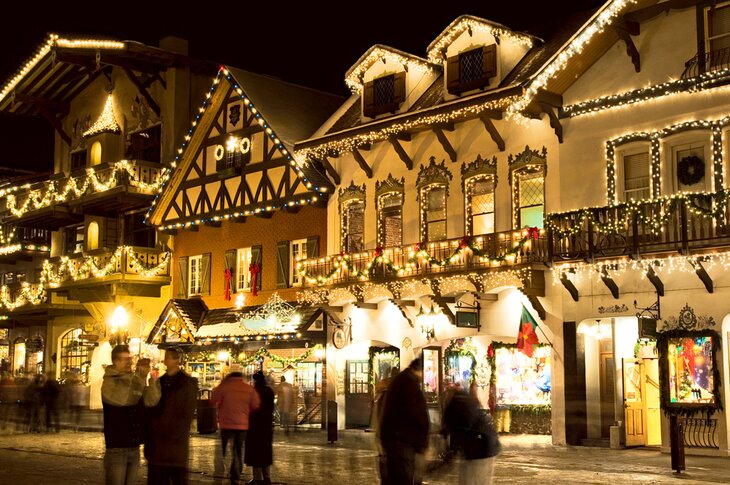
<point x="118" y="322"/>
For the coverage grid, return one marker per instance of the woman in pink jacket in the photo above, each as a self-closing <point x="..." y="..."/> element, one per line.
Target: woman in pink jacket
<point x="235" y="400"/>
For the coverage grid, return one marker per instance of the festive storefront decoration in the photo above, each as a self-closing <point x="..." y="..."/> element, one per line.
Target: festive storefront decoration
<point x="254" y="269"/>
<point x="453" y="354"/>
<point x="248" y="358"/>
<point x="27" y="295"/>
<point x="227" y="275"/>
<point x="382" y="353"/>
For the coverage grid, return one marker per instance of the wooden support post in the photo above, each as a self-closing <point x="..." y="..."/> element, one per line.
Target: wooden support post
<point x="56" y="123"/>
<point x="401" y="306"/>
<point x="554" y="120"/>
<point x="610" y="284"/>
<point x="631" y="49"/>
<point x="441" y="302"/>
<point x="656" y="281"/>
<point x="569" y="286"/>
<point x="445" y="143"/>
<point x="537" y="306"/>
<point x="704" y="276"/>
<point x="331" y="170"/>
<point x="362" y="163"/>
<point x="213" y="223"/>
<point x="145" y="94"/>
<point x="366" y="306"/>
<point x="401" y="153"/>
<point x="492" y="130"/>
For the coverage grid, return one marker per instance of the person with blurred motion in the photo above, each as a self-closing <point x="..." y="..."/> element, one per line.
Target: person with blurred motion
<point x="124" y="396"/>
<point x="236" y="400"/>
<point x="260" y="437"/>
<point x="404" y="427"/>
<point x="168" y="445"/>
<point x="284" y="398"/>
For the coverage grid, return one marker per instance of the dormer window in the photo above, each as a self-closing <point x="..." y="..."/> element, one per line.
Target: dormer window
<point x="471" y="69"/>
<point x="384" y="94"/>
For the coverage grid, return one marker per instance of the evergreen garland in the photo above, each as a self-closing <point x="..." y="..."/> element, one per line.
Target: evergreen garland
<point x="377" y="351"/>
<point x="690" y="170"/>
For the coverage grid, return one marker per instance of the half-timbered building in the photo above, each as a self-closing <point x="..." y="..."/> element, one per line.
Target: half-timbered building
<point x="243" y="211"/>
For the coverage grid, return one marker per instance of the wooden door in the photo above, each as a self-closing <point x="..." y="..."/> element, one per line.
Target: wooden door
<point x="357" y="394"/>
<point x="607" y="386"/>
<point x="634" y="402"/>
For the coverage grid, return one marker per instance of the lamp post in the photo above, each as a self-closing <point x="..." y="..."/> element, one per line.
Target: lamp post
<point x="118" y="322"/>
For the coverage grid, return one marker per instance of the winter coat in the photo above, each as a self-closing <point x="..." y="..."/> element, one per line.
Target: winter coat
<point x="124" y="397"/>
<point x="168" y="443"/>
<point x="235" y="400"/>
<point x="260" y="434"/>
<point x="405" y="416"/>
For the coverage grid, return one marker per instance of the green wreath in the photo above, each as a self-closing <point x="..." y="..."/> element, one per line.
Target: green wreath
<point x="690" y="170"/>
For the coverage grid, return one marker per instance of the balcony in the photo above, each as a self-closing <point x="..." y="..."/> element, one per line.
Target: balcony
<point x="103" y="190"/>
<point x="701" y="63"/>
<point x="22" y="244"/>
<point x="453" y="256"/>
<point x="99" y="275"/>
<point x="668" y="225"/>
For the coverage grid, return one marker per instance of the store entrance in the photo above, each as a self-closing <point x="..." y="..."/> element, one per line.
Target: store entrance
<point x="641" y="402"/>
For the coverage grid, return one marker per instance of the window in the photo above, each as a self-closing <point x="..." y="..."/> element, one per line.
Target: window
<point x="137" y="233"/>
<point x="354" y="226"/>
<point x="391" y="219"/>
<point x="237" y="153"/>
<point x="195" y="275"/>
<point x="74" y="239"/>
<point x="480" y="206"/>
<point x="384" y="90"/>
<point x="78" y="160"/>
<point x="636" y="176"/>
<point x="145" y="145"/>
<point x="309" y="378"/>
<point x="531" y="200"/>
<point x="384" y="94"/>
<point x="75" y="355"/>
<point x="243" y="274"/>
<point x="471" y="69"/>
<point x="95" y="153"/>
<point x="92" y="241"/>
<point x="298" y="250"/>
<point x="470" y="66"/>
<point x="435" y="213"/>
<point x="686" y="175"/>
<point x="717" y="32"/>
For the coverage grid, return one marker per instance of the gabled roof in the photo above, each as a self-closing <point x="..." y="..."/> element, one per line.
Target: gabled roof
<point x="353" y="76"/>
<point x="190" y="311"/>
<point x="436" y="48"/>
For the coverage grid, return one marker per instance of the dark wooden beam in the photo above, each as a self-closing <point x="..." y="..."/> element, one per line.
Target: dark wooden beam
<point x="366" y="306"/>
<point x="140" y="87"/>
<point x="213" y="223"/>
<point x="441" y="136"/>
<point x="631" y="49"/>
<point x="335" y="309"/>
<point x="365" y="146"/>
<point x="610" y="283"/>
<point x="703" y="276"/>
<point x="554" y="120"/>
<point x="537" y="306"/>
<point x="401" y="153"/>
<point x="170" y="232"/>
<point x="492" y="114"/>
<point x="193" y="228"/>
<point x="405" y="302"/>
<point x="292" y="209"/>
<point x="331" y="170"/>
<point x="405" y="136"/>
<point x="265" y="214"/>
<point x="362" y="163"/>
<point x="492" y="130"/>
<point x="549" y="97"/>
<point x="49" y="104"/>
<point x="441" y="302"/>
<point x="239" y="219"/>
<point x="446" y="126"/>
<point x="56" y="123"/>
<point x="569" y="286"/>
<point x="655" y="280"/>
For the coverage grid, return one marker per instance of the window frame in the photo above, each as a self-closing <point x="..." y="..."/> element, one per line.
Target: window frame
<point x="627" y="151"/>
<point x="382" y="228"/>
<point x="242" y="271"/>
<point x="706" y="32"/>
<point x="468" y="204"/>
<point x="346" y="224"/>
<point x="198" y="272"/>
<point x="295" y="279"/>
<point x="425" y="223"/>
<point x="691" y="143"/>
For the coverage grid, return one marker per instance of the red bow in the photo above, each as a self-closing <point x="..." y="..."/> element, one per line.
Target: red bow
<point x="464" y="242"/>
<point x="254" y="268"/>
<point x="227" y="291"/>
<point x="378" y="251"/>
<point x="533" y="232"/>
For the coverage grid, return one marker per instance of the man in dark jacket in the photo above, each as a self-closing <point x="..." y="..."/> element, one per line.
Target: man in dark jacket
<point x="404" y="426"/>
<point x="124" y="395"/>
<point x="168" y="446"/>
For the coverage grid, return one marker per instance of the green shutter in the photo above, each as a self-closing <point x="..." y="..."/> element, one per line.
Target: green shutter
<point x="230" y="262"/>
<point x="182" y="277"/>
<point x="256" y="257"/>
<point x="205" y="274"/>
<point x="282" y="264"/>
<point x="313" y="247"/>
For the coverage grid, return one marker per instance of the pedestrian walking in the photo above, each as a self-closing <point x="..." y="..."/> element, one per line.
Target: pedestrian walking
<point x="33" y="400"/>
<point x="168" y="445"/>
<point x="260" y="437"/>
<point x="76" y="401"/>
<point x="380" y="392"/>
<point x="124" y="395"/>
<point x="470" y="432"/>
<point x="51" y="394"/>
<point x="235" y="400"/>
<point x="284" y="398"/>
<point x="404" y="427"/>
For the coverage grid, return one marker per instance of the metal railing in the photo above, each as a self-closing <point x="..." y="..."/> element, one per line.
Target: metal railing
<point x="700" y="432"/>
<point x="701" y="63"/>
<point x="399" y="262"/>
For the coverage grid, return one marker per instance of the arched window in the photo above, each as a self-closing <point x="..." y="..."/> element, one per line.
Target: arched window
<point x="352" y="218"/>
<point x="75" y="355"/>
<point x="389" y="202"/>
<point x="527" y="176"/>
<point x="19" y="356"/>
<point x="479" y="180"/>
<point x="92" y="233"/>
<point x="95" y="153"/>
<point x="433" y="189"/>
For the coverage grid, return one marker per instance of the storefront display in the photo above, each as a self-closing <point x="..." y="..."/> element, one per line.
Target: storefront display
<point x="431" y="373"/>
<point x="521" y="379"/>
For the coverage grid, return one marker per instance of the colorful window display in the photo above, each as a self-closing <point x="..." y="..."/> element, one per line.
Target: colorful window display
<point x="460" y="369"/>
<point x="690" y="370"/>
<point x="521" y="379"/>
<point x="431" y="374"/>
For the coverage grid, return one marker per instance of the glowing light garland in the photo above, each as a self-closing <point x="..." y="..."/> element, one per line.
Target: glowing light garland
<point x="76" y="187"/>
<point x="28" y="295"/>
<point x="107" y="122"/>
<point x="14" y="248"/>
<point x="45" y="49"/>
<point x="473" y="24"/>
<point x="293" y="161"/>
<point x="353" y="77"/>
<point x="65" y="269"/>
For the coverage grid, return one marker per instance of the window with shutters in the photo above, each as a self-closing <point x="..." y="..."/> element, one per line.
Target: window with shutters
<point x="390" y="219"/>
<point x="434" y="212"/>
<point x="195" y="275"/>
<point x="384" y="94"/>
<point x="353" y="225"/>
<point x="78" y="160"/>
<point x="480" y="205"/>
<point x="531" y="199"/>
<point x="145" y="145"/>
<point x="243" y="272"/>
<point x="297" y="251"/>
<point x="471" y="69"/>
<point x="636" y="176"/>
<point x="74" y="239"/>
<point x="717" y="33"/>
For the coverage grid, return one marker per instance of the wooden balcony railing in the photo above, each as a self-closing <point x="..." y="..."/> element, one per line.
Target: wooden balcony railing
<point x="140" y="263"/>
<point x="146" y="177"/>
<point x="18" y="295"/>
<point x="464" y="254"/>
<point x="671" y="224"/>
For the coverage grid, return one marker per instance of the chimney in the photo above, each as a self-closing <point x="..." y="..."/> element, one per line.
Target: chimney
<point x="174" y="44"/>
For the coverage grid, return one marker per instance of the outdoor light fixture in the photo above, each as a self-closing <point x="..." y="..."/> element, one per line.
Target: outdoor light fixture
<point x="319" y="353"/>
<point x="427" y="321"/>
<point x="119" y="319"/>
<point x="223" y="356"/>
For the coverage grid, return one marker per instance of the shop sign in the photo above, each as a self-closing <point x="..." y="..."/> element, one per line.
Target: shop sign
<point x="34" y="344"/>
<point x="467" y="319"/>
<point x="88" y="336"/>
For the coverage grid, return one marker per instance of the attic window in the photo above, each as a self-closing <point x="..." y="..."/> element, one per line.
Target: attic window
<point x="471" y="69"/>
<point x="384" y="94"/>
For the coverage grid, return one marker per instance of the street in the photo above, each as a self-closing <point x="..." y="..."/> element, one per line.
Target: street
<point x="304" y="457"/>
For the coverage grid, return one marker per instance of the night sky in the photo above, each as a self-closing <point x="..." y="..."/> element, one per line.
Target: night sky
<point x="306" y="42"/>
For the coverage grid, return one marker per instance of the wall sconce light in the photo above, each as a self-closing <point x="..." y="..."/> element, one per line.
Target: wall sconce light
<point x="427" y="321"/>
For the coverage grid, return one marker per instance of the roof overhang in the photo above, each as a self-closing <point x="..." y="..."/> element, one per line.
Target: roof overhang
<point x="353" y="77"/>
